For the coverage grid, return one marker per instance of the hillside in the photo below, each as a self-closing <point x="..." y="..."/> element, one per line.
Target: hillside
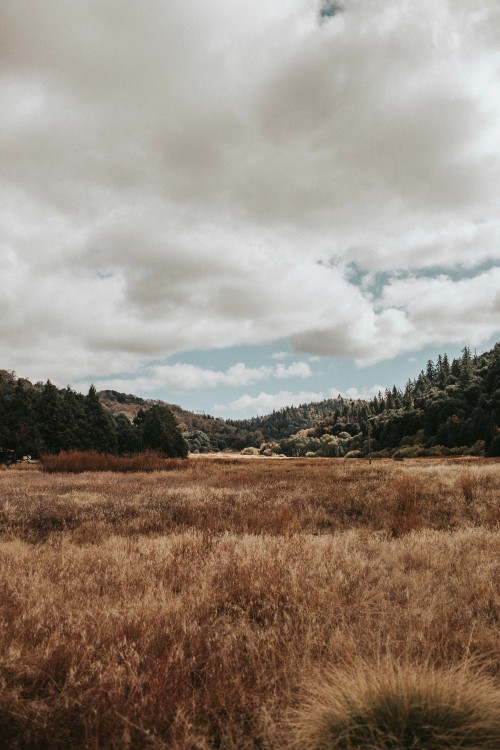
<point x="450" y="408"/>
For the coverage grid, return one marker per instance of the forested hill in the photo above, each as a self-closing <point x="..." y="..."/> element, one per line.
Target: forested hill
<point x="450" y="404"/>
<point x="449" y="408"/>
<point x="207" y="433"/>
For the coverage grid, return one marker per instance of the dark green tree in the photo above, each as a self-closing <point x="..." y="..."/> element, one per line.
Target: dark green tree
<point x="22" y="420"/>
<point x="128" y="436"/>
<point x="52" y="419"/>
<point x="159" y="431"/>
<point x="76" y="434"/>
<point x="101" y="428"/>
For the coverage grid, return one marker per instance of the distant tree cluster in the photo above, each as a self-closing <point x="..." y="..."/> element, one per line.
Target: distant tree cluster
<point x="41" y="418"/>
<point x="450" y="408"/>
<point x="202" y="432"/>
<point x="453" y="405"/>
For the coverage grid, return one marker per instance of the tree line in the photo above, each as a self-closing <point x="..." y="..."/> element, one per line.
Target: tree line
<point x="451" y="407"/>
<point x="41" y="418"/>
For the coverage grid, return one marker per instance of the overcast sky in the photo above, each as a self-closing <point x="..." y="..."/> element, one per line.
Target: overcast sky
<point x="237" y="205"/>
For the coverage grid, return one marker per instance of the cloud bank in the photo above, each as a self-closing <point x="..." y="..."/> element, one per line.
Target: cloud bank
<point x="183" y="176"/>
<point x="181" y="377"/>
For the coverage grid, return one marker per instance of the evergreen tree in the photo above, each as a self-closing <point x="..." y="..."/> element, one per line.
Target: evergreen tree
<point x="52" y="418"/>
<point x="76" y="434"/>
<point x="128" y="436"/>
<point x="102" y="433"/>
<point x="466" y="366"/>
<point x="24" y="437"/>
<point x="160" y="432"/>
<point x="430" y="371"/>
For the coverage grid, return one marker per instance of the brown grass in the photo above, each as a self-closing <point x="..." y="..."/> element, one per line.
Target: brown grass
<point x="399" y="707"/>
<point x="76" y="462"/>
<point x="187" y="609"/>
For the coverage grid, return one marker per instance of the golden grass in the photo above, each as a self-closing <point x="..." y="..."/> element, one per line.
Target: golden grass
<point x="399" y="706"/>
<point x="77" y="462"/>
<point x="187" y="609"/>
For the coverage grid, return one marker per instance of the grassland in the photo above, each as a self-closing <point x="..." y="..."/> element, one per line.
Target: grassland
<point x="195" y="608"/>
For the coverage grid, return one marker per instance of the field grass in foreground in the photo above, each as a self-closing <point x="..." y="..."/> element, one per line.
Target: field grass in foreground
<point x="210" y="607"/>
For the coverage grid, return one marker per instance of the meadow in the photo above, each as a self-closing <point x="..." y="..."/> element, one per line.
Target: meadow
<point x="228" y="603"/>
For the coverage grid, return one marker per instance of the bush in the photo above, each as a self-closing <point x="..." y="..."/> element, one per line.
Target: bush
<point x="494" y="447"/>
<point x="76" y="462"/>
<point x="354" y="454"/>
<point x="269" y="449"/>
<point x="408" y="452"/>
<point x="477" y="449"/>
<point x="395" y="707"/>
<point x="250" y="451"/>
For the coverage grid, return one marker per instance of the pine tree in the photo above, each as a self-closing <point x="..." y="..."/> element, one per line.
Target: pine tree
<point x="430" y="371"/>
<point x="128" y="435"/>
<point x="101" y="427"/>
<point x="24" y="437"/>
<point x="52" y="418"/>
<point x="466" y="366"/>
<point x="77" y="432"/>
<point x="160" y="432"/>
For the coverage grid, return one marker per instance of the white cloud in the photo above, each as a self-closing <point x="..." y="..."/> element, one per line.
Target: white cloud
<point x="413" y="313"/>
<point x="280" y="355"/>
<point x="265" y="403"/>
<point x="166" y="188"/>
<point x="295" y="370"/>
<point x="185" y="377"/>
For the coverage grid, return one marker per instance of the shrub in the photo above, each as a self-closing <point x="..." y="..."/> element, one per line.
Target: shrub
<point x="76" y="462"/>
<point x="494" y="447"/>
<point x="408" y="452"/>
<point x="394" y="707"/>
<point x="477" y="449"/>
<point x="330" y="446"/>
<point x="269" y="449"/>
<point x="354" y="454"/>
<point x="250" y="451"/>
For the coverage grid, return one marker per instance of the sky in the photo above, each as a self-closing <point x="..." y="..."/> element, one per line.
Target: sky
<point x="238" y="206"/>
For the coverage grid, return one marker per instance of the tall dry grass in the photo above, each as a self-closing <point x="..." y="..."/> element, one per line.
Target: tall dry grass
<point x="76" y="462"/>
<point x="188" y="609"/>
<point x="399" y="707"/>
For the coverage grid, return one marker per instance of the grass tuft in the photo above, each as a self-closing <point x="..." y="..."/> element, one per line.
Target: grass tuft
<point x="469" y="485"/>
<point x="399" y="707"/>
<point x="406" y="510"/>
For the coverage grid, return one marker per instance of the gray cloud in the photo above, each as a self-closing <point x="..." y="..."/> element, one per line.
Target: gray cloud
<point x="173" y="173"/>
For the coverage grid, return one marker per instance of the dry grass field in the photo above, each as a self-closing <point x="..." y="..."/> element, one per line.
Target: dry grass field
<point x="237" y="603"/>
